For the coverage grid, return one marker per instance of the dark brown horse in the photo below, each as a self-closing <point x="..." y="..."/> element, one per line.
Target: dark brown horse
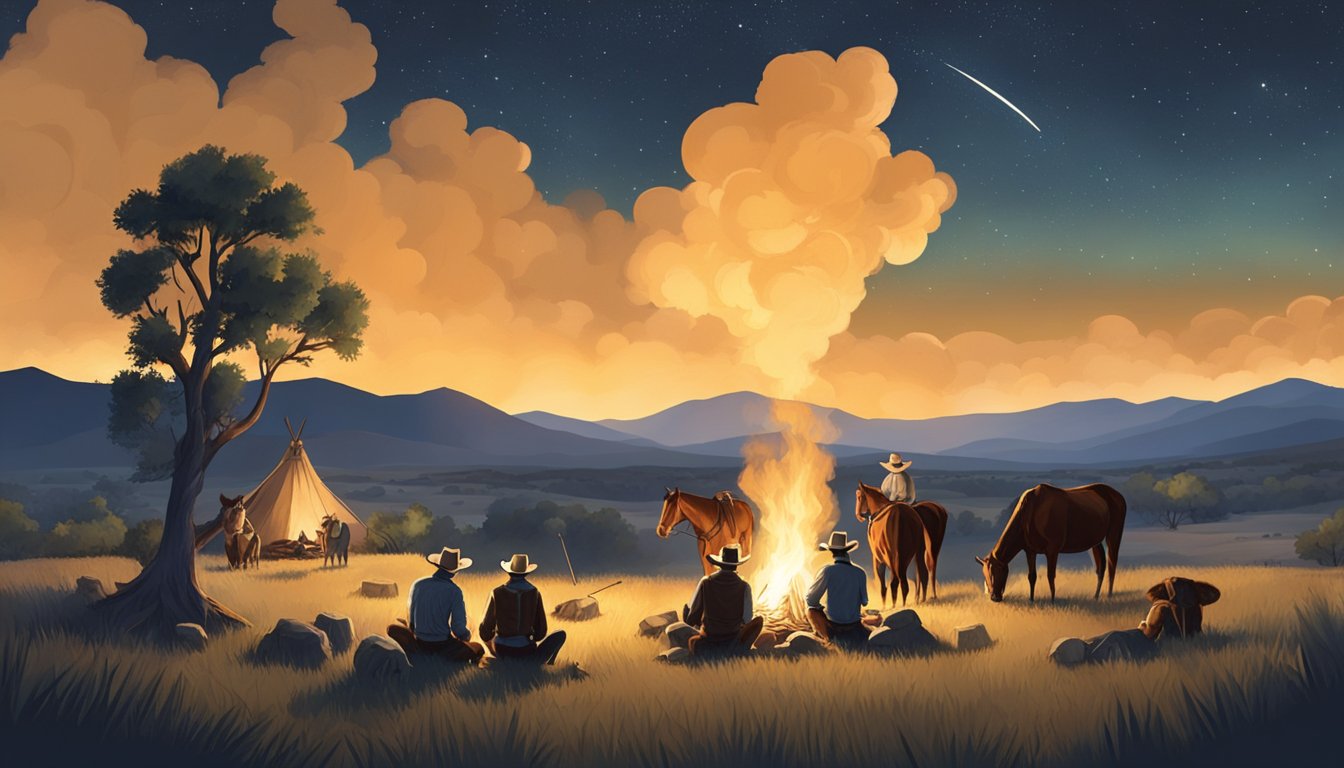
<point x="717" y="522"/>
<point x="896" y="536"/>
<point x="242" y="546"/>
<point x="1052" y="520"/>
<point x="934" y="517"/>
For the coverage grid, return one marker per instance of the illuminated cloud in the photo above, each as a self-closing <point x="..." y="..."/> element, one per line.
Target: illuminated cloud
<point x="744" y="279"/>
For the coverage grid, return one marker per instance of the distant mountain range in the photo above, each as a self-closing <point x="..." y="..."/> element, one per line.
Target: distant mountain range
<point x="49" y="422"/>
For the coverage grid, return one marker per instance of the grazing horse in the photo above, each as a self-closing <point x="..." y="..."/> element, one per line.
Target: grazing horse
<point x="1052" y="520"/>
<point x="896" y="535"/>
<point x="717" y="522"/>
<point x="334" y="536"/>
<point x="242" y="546"/>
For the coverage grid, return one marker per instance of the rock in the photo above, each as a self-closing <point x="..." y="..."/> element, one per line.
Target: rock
<point x="378" y="588"/>
<point x="1068" y="651"/>
<point x="379" y="658"/>
<point x="902" y="619"/>
<point x="1120" y="645"/>
<point x="340" y="630"/>
<point x="972" y="637"/>
<point x="674" y="656"/>
<point x="767" y="640"/>
<point x="653" y="626"/>
<point x="801" y="644"/>
<point x="89" y="589"/>
<point x="295" y="644"/>
<point x="190" y="636"/>
<point x="912" y="638"/>
<point x="677" y="633"/>
<point x="578" y="609"/>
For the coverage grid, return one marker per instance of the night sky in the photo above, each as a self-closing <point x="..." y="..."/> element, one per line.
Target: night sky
<point x="1189" y="155"/>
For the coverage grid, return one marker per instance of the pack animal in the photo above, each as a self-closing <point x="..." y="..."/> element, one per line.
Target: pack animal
<point x="334" y="538"/>
<point x="717" y="522"/>
<point x="242" y="546"/>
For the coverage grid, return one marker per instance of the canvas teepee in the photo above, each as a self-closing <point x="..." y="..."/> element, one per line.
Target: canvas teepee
<point x="293" y="499"/>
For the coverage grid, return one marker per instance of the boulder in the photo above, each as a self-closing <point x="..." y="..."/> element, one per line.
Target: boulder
<point x="294" y="643"/>
<point x="910" y="639"/>
<point x="674" y="656"/>
<point x="677" y="634"/>
<point x="578" y="609"/>
<point x="1068" y="651"/>
<point x="379" y="658"/>
<point x="190" y="636"/>
<point x="765" y="641"/>
<point x="1120" y="645"/>
<point x="653" y="626"/>
<point x="801" y="644"/>
<point x="378" y="588"/>
<point x="901" y="619"/>
<point x="89" y="589"/>
<point x="340" y="630"/>
<point x="972" y="637"/>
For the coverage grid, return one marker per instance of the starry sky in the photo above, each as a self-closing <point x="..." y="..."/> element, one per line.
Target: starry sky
<point x="1189" y="154"/>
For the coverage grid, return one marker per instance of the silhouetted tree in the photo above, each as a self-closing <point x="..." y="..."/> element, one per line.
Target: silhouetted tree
<point x="201" y="287"/>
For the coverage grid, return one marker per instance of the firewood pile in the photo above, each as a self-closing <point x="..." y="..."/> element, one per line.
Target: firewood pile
<point x="791" y="613"/>
<point x="291" y="549"/>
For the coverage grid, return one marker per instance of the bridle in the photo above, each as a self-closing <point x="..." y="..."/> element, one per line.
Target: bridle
<point x="722" y="519"/>
<point x="872" y="516"/>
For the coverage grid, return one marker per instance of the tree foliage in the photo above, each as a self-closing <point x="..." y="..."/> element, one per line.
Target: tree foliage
<point x="1324" y="544"/>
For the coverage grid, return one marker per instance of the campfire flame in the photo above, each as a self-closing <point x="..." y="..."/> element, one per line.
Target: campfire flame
<point x="787" y="479"/>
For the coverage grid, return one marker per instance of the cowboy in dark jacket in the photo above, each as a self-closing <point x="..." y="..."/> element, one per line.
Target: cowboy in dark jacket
<point x="721" y="607"/>
<point x="515" y="620"/>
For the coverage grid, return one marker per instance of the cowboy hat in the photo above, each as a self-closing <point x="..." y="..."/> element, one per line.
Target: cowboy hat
<point x="839" y="543"/>
<point x="729" y="557"/>
<point x="894" y="463"/>
<point x="450" y="560"/>
<point x="518" y="565"/>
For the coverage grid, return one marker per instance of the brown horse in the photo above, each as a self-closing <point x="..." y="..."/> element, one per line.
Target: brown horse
<point x="1052" y="520"/>
<point x="896" y="535"/>
<point x="717" y="522"/>
<point x="242" y="546"/>
<point x="934" y="517"/>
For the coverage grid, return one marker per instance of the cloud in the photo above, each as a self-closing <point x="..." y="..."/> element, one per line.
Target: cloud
<point x="744" y="279"/>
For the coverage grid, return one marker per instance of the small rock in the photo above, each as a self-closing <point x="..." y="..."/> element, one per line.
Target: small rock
<point x="89" y="589"/>
<point x="972" y="637"/>
<point x="294" y="643"/>
<point x="674" y="656"/>
<point x="765" y="641"/>
<point x="910" y="639"/>
<point x="378" y="588"/>
<point x="902" y="619"/>
<point x="190" y="636"/>
<point x="1120" y="645"/>
<point x="677" y="634"/>
<point x="340" y="630"/>
<point x="578" y="609"/>
<point x="379" y="658"/>
<point x="800" y="644"/>
<point x="1068" y="651"/>
<point x="653" y="626"/>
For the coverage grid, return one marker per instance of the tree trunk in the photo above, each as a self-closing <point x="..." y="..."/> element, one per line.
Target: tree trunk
<point x="166" y="592"/>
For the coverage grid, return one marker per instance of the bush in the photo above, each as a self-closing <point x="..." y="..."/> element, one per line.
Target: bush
<point x="18" y="531"/>
<point x="101" y="534"/>
<point x="967" y="523"/>
<point x="142" y="541"/>
<point x="1325" y="544"/>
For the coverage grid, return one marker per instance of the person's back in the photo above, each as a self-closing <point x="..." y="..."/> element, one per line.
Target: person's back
<point x="845" y="588"/>
<point x="437" y="609"/>
<point x="515" y="617"/>
<point x="724" y="595"/>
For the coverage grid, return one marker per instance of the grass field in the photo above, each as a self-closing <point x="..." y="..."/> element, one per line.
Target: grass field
<point x="1266" y="679"/>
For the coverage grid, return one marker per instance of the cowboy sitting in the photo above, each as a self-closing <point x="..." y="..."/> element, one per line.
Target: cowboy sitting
<point x="1178" y="606"/>
<point x="897" y="485"/>
<point x="515" y="621"/>
<point x="722" y="607"/>
<point x="844" y="587"/>
<point x="438" y="613"/>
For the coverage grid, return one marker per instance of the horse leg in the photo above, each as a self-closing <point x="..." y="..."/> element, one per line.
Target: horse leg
<point x="1031" y="577"/>
<point x="921" y="579"/>
<point x="899" y="573"/>
<point x="1099" y="560"/>
<point x="1112" y="558"/>
<point x="1051" y="560"/>
<point x="931" y="563"/>
<point x="880" y="568"/>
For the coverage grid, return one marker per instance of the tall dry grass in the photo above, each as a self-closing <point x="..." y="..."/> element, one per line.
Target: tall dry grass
<point x="1270" y="666"/>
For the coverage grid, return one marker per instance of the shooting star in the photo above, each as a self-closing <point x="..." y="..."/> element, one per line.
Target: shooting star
<point x="996" y="95"/>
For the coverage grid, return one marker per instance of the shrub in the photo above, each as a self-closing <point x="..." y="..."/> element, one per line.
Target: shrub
<point x="18" y="531"/>
<point x="99" y="535"/>
<point x="142" y="540"/>
<point x="1324" y="544"/>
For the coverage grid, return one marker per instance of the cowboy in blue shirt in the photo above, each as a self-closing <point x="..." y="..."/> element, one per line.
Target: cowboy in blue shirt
<point x="844" y="586"/>
<point x="438" y="613"/>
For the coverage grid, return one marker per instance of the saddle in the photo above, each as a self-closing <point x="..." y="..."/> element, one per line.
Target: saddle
<point x="725" y="502"/>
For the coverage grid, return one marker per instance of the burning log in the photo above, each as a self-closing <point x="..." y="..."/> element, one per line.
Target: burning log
<point x="790" y="613"/>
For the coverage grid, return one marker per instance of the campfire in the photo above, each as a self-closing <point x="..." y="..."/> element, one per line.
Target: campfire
<point x="787" y="478"/>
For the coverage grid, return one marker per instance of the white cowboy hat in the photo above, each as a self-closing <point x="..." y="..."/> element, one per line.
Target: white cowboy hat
<point x="895" y="463"/>
<point x="518" y="565"/>
<point x="839" y="543"/>
<point x="729" y="557"/>
<point x="450" y="560"/>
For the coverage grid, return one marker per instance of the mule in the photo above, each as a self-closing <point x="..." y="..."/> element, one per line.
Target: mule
<point x="717" y="522"/>
<point x="1054" y="520"/>
<point x="896" y="536"/>
<point x="334" y="537"/>
<point x="242" y="546"/>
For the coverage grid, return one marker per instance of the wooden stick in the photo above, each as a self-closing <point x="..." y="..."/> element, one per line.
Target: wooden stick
<point x="609" y="586"/>
<point x="572" y="577"/>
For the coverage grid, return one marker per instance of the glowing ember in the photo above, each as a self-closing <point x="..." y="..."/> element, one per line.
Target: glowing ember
<point x="787" y="479"/>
